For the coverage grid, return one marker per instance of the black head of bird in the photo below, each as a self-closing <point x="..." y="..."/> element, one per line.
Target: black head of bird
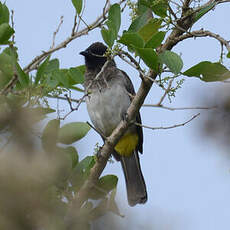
<point x="95" y="55"/>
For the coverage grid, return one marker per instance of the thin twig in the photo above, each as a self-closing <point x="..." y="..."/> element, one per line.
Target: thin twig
<point x="178" y="108"/>
<point x="168" y="127"/>
<point x="56" y="31"/>
<point x="12" y="24"/>
<point x="97" y="131"/>
<point x="166" y="92"/>
<point x="37" y="60"/>
<point x="10" y="85"/>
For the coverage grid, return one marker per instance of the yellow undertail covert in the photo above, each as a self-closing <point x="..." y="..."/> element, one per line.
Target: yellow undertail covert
<point x="127" y="144"/>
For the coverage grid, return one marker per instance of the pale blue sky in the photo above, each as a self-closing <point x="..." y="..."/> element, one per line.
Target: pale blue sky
<point x="187" y="175"/>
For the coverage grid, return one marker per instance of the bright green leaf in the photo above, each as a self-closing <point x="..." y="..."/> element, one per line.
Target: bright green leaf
<point x="108" y="36"/>
<point x="4" y="14"/>
<point x="147" y="31"/>
<point x="115" y="17"/>
<point x="138" y="22"/>
<point x="72" y="132"/>
<point x="172" y="60"/>
<point x="50" y="135"/>
<point x="5" y="33"/>
<point x="78" y="5"/>
<point x="208" y="71"/>
<point x="149" y="57"/>
<point x="132" y="39"/>
<point x="156" y="40"/>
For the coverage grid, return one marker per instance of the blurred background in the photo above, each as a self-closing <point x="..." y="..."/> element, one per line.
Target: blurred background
<point x="187" y="168"/>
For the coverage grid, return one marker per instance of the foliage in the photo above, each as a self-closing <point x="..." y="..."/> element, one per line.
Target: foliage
<point x="55" y="175"/>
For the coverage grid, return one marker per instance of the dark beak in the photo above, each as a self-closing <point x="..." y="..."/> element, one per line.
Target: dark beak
<point x="84" y="53"/>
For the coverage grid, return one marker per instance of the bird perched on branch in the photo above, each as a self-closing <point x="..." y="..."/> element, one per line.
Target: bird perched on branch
<point x="110" y="96"/>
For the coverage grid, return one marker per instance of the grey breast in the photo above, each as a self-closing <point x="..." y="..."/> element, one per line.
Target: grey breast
<point x="106" y="106"/>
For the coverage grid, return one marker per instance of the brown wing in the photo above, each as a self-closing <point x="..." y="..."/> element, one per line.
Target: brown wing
<point x="130" y="89"/>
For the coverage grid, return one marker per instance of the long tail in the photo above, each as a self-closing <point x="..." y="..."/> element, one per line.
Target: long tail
<point x="135" y="183"/>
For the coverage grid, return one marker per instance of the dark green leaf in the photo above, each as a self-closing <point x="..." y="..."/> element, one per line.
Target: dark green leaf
<point x="139" y="22"/>
<point x="78" y="5"/>
<point x="149" y="57"/>
<point x="51" y="66"/>
<point x="204" y="11"/>
<point x="41" y="70"/>
<point x="72" y="132"/>
<point x="147" y="31"/>
<point x="5" y="33"/>
<point x="132" y="39"/>
<point x="156" y="40"/>
<point x="115" y="17"/>
<point x="172" y="60"/>
<point x="50" y="135"/>
<point x="4" y="14"/>
<point x="160" y="8"/>
<point x="208" y="71"/>
<point x="228" y="55"/>
<point x="76" y="75"/>
<point x="108" y="36"/>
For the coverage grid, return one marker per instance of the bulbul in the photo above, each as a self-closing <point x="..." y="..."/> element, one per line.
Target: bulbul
<point x="109" y="97"/>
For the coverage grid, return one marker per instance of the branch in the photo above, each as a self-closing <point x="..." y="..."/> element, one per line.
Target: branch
<point x="37" y="60"/>
<point x="204" y="33"/>
<point x="56" y="31"/>
<point x="168" y="127"/>
<point x="180" y="108"/>
<point x="8" y="87"/>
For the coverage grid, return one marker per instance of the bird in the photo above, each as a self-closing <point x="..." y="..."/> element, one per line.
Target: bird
<point x="108" y="98"/>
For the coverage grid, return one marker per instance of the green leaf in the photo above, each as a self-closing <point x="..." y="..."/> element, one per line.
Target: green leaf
<point x="22" y="76"/>
<point x="81" y="172"/>
<point x="160" y="8"/>
<point x="78" y="5"/>
<point x="4" y="14"/>
<point x="149" y="57"/>
<point x="5" y="33"/>
<point x="73" y="155"/>
<point x="50" y="135"/>
<point x="204" y="11"/>
<point x="108" y="36"/>
<point x="62" y="76"/>
<point x="208" y="72"/>
<point x="172" y="60"/>
<point x="41" y="70"/>
<point x="228" y="55"/>
<point x="138" y="22"/>
<point x="147" y="31"/>
<point x="11" y="51"/>
<point x="132" y="40"/>
<point x="51" y="66"/>
<point x="76" y="75"/>
<point x="104" y="185"/>
<point x="156" y="40"/>
<point x="115" y="17"/>
<point x="72" y="132"/>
